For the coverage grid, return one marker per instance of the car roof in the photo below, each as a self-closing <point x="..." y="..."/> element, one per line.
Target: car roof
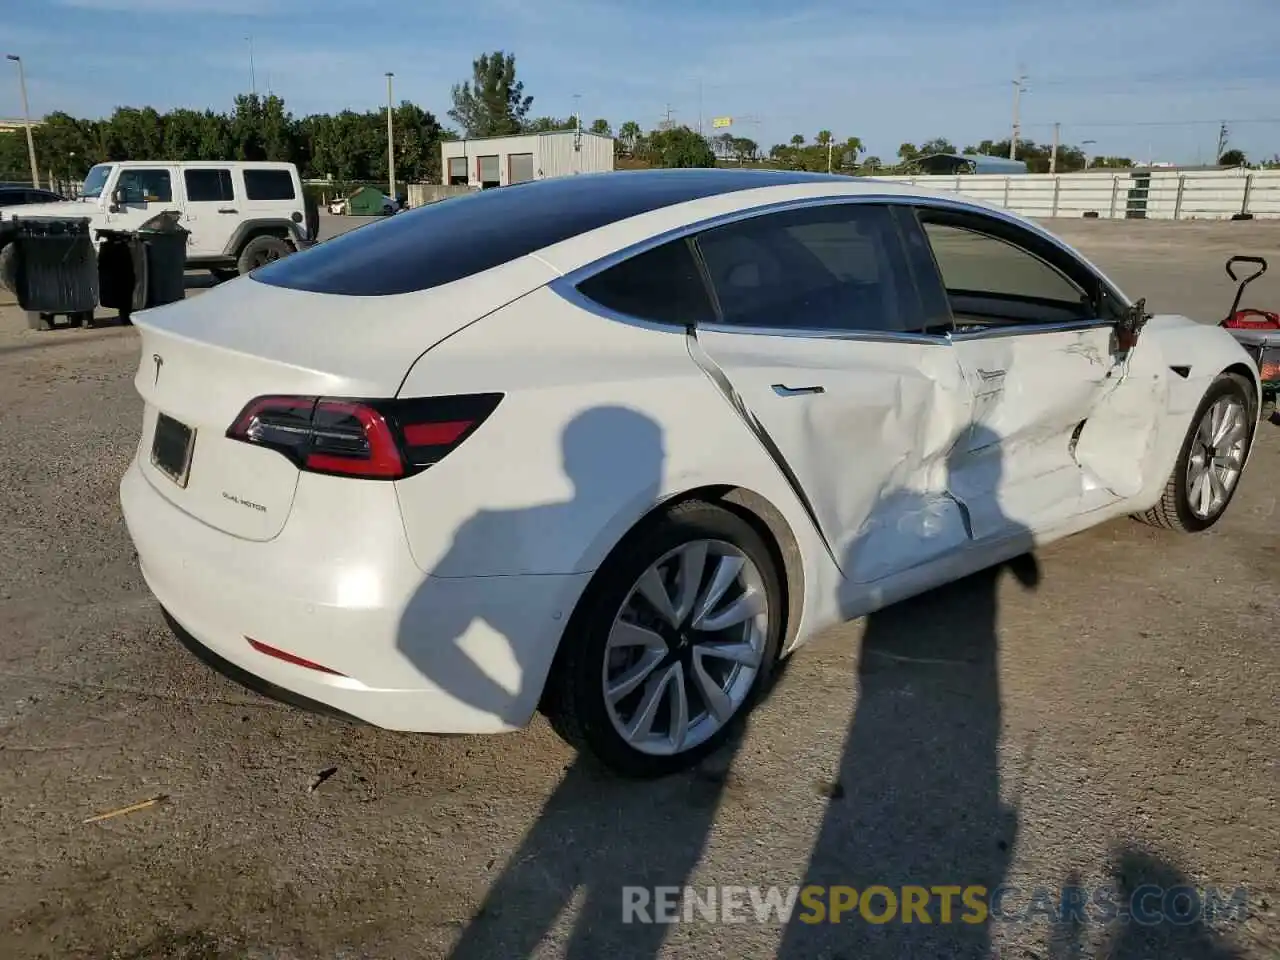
<point x="461" y="236"/>
<point x="201" y="164"/>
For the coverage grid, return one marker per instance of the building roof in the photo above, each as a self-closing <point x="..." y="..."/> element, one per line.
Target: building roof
<point x="979" y="162"/>
<point x="531" y="133"/>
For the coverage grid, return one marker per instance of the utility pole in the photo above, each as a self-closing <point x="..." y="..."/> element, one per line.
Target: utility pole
<point x="699" y="106"/>
<point x="391" y="144"/>
<point x="253" y="76"/>
<point x="1222" y="143"/>
<point x="830" y="146"/>
<point x="26" y="118"/>
<point x="1019" y="83"/>
<point x="1053" y="157"/>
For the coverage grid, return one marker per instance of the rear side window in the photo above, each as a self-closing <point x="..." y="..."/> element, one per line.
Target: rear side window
<point x="832" y="267"/>
<point x="268" y="185"/>
<point x="204" y="186"/>
<point x="662" y="285"/>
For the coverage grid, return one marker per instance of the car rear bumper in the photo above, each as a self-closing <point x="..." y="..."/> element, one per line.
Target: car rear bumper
<point x="406" y="651"/>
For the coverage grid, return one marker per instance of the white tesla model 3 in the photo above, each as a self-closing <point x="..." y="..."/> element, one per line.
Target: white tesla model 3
<point x="614" y="444"/>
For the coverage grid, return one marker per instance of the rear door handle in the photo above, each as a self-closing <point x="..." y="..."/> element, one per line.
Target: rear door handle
<point x="783" y="390"/>
<point x="226" y="210"/>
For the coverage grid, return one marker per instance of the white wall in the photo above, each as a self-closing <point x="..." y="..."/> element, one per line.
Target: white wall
<point x="1195" y="194"/>
<point x="553" y="154"/>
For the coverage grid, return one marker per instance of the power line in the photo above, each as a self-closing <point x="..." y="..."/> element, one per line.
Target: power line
<point x="1156" y="123"/>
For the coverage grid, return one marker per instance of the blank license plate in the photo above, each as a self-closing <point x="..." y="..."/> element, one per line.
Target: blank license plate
<point x="171" y="449"/>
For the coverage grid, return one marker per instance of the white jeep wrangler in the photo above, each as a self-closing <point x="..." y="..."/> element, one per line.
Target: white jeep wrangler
<point x="239" y="214"/>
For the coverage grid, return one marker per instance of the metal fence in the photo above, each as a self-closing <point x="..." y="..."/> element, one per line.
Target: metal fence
<point x="1131" y="195"/>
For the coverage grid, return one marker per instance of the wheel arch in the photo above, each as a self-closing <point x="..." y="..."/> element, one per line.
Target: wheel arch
<point x="252" y="229"/>
<point x="755" y="509"/>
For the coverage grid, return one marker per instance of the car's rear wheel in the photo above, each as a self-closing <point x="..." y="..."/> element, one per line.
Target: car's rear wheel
<point x="1209" y="465"/>
<point x="673" y="643"/>
<point x="260" y="251"/>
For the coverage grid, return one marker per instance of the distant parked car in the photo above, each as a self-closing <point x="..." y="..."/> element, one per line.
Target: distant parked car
<point x="341" y="207"/>
<point x="240" y="215"/>
<point x="17" y="196"/>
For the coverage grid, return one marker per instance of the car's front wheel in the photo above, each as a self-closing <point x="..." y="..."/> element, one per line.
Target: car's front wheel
<point x="1207" y="472"/>
<point x="674" y="641"/>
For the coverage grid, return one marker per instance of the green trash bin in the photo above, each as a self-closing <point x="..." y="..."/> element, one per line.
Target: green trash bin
<point x="165" y="241"/>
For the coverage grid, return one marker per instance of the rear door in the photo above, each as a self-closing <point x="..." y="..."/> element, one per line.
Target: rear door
<point x="824" y="343"/>
<point x="1038" y="359"/>
<point x="211" y="213"/>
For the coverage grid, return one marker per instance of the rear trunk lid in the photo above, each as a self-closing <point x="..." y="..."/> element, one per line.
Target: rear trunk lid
<point x="203" y="359"/>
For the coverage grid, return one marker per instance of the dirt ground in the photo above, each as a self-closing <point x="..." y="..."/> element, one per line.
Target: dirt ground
<point x="1106" y="720"/>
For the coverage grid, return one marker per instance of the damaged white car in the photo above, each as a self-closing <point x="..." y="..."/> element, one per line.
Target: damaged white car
<point x="612" y="445"/>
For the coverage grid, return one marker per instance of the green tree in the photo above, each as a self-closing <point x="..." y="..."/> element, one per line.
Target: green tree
<point x="601" y="127"/>
<point x="1233" y="158"/>
<point x="744" y="149"/>
<point x="908" y="151"/>
<point x="628" y="134"/>
<point x="823" y="138"/>
<point x="872" y="164"/>
<point x="493" y="102"/>
<point x="679" y="147"/>
<point x="797" y="140"/>
<point x="937" y="145"/>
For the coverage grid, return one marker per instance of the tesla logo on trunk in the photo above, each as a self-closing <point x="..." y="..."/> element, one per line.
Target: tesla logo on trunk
<point x="159" y="362"/>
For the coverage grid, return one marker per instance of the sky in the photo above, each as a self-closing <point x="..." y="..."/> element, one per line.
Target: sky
<point x="1147" y="79"/>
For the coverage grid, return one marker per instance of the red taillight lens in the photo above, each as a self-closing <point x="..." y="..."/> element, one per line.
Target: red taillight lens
<point x="371" y="439"/>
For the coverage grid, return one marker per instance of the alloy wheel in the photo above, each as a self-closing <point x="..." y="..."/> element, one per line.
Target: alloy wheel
<point x="1217" y="456"/>
<point x="685" y="648"/>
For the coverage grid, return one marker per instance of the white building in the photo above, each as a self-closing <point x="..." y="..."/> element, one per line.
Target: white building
<point x="497" y="161"/>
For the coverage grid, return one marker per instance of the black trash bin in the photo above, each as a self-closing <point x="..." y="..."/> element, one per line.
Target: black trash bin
<point x="52" y="268"/>
<point x="166" y="245"/>
<point x="122" y="272"/>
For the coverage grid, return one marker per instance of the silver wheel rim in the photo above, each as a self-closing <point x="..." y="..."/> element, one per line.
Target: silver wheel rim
<point x="1217" y="457"/>
<point x="685" y="648"/>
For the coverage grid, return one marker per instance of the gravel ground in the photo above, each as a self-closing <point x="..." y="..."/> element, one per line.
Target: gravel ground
<point x="1107" y="718"/>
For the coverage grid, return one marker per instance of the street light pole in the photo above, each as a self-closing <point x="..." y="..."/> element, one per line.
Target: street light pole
<point x="26" y="118"/>
<point x="253" y="73"/>
<point x="391" y="145"/>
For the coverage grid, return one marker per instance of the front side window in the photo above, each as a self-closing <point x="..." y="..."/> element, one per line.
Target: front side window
<point x="993" y="281"/>
<point x="662" y="285"/>
<point x="146" y="186"/>
<point x="830" y="267"/>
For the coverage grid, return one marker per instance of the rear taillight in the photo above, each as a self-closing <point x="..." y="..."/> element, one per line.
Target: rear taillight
<point x="371" y="439"/>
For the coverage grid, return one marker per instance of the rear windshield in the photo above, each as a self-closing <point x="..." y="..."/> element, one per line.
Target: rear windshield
<point x="455" y="238"/>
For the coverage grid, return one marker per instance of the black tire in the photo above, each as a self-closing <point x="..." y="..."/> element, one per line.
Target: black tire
<point x="39" y="321"/>
<point x="574" y="700"/>
<point x="260" y="251"/>
<point x="223" y="274"/>
<point x="1174" y="512"/>
<point x="388" y="209"/>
